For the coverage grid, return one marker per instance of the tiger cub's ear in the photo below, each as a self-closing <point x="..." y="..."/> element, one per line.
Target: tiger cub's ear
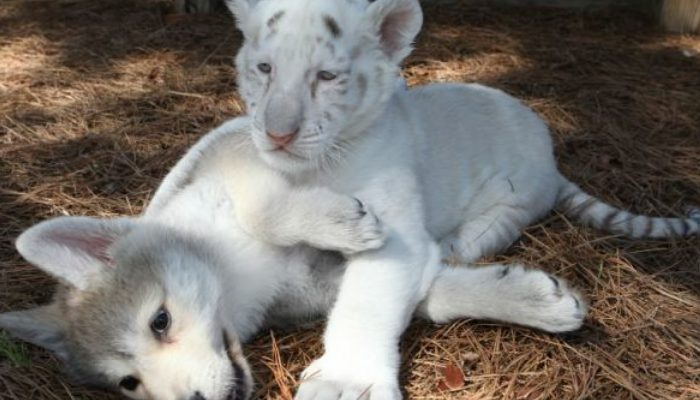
<point x="396" y="24"/>
<point x="242" y="11"/>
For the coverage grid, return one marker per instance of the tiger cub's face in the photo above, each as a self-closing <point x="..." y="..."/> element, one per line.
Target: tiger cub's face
<point x="315" y="73"/>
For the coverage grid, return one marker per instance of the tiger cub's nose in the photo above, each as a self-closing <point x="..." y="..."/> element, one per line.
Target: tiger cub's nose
<point x="282" y="139"/>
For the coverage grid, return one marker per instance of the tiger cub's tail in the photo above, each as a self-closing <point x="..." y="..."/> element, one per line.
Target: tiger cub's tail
<point x="575" y="203"/>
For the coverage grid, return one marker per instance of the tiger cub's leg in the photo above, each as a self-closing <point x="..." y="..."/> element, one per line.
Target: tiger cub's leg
<point x="507" y="293"/>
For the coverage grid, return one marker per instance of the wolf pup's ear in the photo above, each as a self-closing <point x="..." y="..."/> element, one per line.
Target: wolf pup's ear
<point x="72" y="249"/>
<point x="41" y="326"/>
<point x="396" y="23"/>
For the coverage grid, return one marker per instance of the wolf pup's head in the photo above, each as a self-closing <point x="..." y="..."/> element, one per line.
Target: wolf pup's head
<point x="315" y="73"/>
<point x="137" y="310"/>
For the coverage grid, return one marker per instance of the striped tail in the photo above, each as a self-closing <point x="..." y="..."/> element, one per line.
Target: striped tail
<point x="575" y="203"/>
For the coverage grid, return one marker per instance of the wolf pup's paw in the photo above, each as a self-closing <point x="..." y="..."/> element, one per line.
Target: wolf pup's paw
<point x="350" y="227"/>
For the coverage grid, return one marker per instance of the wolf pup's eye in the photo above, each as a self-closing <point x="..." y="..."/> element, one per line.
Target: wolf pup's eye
<point x="265" y="68"/>
<point x="161" y="322"/>
<point x="129" y="383"/>
<point x="326" y="76"/>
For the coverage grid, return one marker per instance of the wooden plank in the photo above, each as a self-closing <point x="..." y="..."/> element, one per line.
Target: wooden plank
<point x="681" y="16"/>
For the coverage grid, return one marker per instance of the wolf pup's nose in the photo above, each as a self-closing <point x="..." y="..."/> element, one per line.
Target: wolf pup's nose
<point x="197" y="396"/>
<point x="282" y="139"/>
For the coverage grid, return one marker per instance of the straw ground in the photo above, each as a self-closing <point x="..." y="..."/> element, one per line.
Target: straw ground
<point x="99" y="98"/>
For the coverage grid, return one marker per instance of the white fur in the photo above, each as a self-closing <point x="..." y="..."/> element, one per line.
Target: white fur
<point x="238" y="283"/>
<point x="466" y="163"/>
<point x="527" y="297"/>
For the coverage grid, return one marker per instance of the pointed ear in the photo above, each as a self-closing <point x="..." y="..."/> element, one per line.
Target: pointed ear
<point x="72" y="249"/>
<point x="396" y="23"/>
<point x="41" y="326"/>
<point x="241" y="10"/>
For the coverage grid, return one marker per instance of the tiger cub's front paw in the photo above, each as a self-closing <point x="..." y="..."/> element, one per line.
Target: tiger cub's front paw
<point x="350" y="227"/>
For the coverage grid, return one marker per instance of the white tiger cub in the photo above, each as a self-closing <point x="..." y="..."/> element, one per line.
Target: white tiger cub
<point x="464" y="162"/>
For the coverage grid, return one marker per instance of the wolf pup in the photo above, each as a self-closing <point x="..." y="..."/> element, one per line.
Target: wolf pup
<point x="157" y="306"/>
<point x="464" y="163"/>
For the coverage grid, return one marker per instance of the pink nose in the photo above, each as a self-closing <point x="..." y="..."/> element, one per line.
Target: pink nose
<point x="281" y="139"/>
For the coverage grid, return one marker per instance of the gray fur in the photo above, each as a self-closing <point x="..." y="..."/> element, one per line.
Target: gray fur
<point x="85" y="327"/>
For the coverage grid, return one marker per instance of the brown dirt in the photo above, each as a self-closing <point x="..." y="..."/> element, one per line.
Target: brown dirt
<point x="99" y="98"/>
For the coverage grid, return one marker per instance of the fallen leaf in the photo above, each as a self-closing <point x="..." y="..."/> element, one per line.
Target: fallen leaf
<point x="452" y="377"/>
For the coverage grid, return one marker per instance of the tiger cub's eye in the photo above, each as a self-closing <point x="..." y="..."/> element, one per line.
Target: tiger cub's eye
<point x="265" y="68"/>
